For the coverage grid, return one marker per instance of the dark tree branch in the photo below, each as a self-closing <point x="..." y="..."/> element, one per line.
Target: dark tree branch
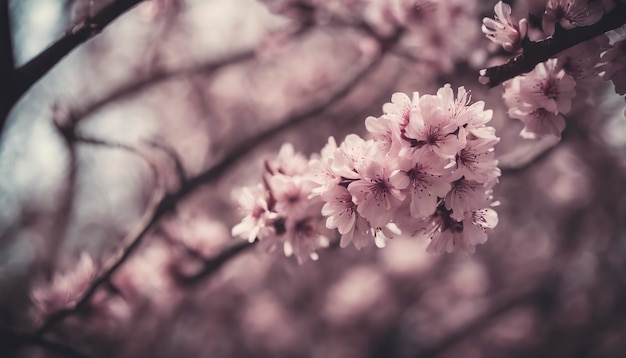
<point x="212" y="265"/>
<point x="534" y="53"/>
<point x="7" y="65"/>
<point x="31" y="72"/>
<point x="11" y="342"/>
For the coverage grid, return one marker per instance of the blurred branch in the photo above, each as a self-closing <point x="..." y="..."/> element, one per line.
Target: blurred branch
<point x="162" y="203"/>
<point x="539" y="295"/>
<point x="130" y="243"/>
<point x="535" y="52"/>
<point x="159" y="76"/>
<point x="31" y="72"/>
<point x="10" y="342"/>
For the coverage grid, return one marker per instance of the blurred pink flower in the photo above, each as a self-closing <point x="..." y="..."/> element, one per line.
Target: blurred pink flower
<point x="253" y="203"/>
<point x="614" y="63"/>
<point x="65" y="289"/>
<point x="571" y="13"/>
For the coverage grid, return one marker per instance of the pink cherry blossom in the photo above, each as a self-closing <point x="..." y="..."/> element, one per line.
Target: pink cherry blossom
<point x="434" y="129"/>
<point x="465" y="195"/>
<point x="477" y="160"/>
<point x="340" y="209"/>
<point x="537" y="98"/>
<point x="401" y="106"/>
<point x="449" y="235"/>
<point x="504" y="29"/>
<point x="421" y="176"/>
<point x="321" y="168"/>
<point x="538" y="122"/>
<point x="375" y="195"/>
<point x="386" y="131"/>
<point x="304" y="237"/>
<point x="253" y="203"/>
<point x="571" y="13"/>
<point x="614" y="63"/>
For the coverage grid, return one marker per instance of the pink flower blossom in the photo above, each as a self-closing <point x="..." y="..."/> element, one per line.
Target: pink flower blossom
<point x="580" y="61"/>
<point x="386" y="131"/>
<point x="288" y="162"/>
<point x="614" y="63"/>
<point x="350" y="155"/>
<point x="290" y="195"/>
<point x="253" y="203"/>
<point x="448" y="235"/>
<point x="504" y="29"/>
<point x="340" y="209"/>
<point x="434" y="129"/>
<point x="401" y="107"/>
<point x="421" y="176"/>
<point x="304" y="238"/>
<point x="538" y="97"/>
<point x="376" y="197"/>
<point x="571" y="13"/>
<point x="477" y="160"/>
<point x="538" y="122"/>
<point x="465" y="195"/>
<point x="321" y="167"/>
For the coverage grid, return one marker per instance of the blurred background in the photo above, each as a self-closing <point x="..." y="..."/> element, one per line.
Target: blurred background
<point x="193" y="81"/>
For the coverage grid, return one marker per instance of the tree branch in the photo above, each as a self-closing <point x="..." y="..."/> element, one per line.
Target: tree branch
<point x="212" y="265"/>
<point x="7" y="65"/>
<point x="130" y="243"/>
<point x="162" y="203"/>
<point x="158" y="77"/>
<point x="535" y="52"/>
<point x="31" y="72"/>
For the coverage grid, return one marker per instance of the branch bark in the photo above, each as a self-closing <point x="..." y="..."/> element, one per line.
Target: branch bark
<point x="535" y="52"/>
<point x="27" y="75"/>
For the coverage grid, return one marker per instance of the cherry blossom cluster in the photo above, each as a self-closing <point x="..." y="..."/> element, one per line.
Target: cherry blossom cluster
<point x="428" y="171"/>
<point x="280" y="211"/>
<point x="542" y="97"/>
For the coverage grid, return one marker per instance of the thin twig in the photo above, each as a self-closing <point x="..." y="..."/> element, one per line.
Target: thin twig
<point x="535" y="52"/>
<point x="160" y="76"/>
<point x="212" y="265"/>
